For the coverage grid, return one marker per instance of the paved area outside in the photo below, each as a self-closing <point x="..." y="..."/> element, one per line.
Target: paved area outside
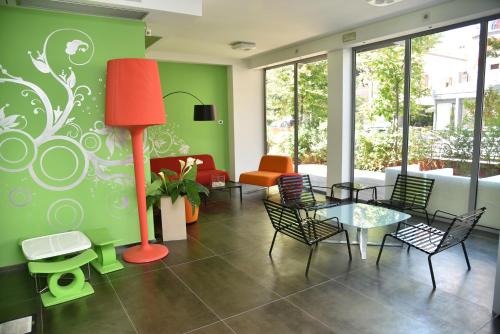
<point x="318" y="177"/>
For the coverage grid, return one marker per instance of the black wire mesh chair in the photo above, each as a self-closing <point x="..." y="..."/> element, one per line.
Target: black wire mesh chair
<point x="409" y="193"/>
<point x="307" y="230"/>
<point x="296" y="191"/>
<point x="431" y="240"/>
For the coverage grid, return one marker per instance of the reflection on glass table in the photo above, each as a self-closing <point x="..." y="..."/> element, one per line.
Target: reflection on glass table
<point x="363" y="217"/>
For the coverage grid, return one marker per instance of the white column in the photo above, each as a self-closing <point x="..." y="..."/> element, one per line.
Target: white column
<point x="339" y="116"/>
<point x="496" y="296"/>
<point x="246" y="119"/>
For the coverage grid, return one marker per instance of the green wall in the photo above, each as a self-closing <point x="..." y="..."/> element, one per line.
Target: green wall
<point x="60" y="167"/>
<point x="181" y="135"/>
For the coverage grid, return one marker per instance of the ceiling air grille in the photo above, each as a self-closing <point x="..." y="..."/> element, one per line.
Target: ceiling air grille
<point x="84" y="8"/>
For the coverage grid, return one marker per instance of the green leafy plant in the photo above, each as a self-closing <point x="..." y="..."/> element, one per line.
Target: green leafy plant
<point x="169" y="183"/>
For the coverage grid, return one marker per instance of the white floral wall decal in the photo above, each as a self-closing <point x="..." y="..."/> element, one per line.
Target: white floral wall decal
<point x="162" y="141"/>
<point x="61" y="136"/>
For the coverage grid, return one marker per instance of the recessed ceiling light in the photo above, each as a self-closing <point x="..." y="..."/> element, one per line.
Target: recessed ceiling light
<point x="381" y="3"/>
<point x="245" y="46"/>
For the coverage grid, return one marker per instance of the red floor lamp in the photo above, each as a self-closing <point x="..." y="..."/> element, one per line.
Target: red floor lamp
<point x="134" y="101"/>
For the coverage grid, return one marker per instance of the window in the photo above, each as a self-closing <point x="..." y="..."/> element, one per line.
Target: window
<point x="379" y="112"/>
<point x="463" y="77"/>
<point x="434" y="135"/>
<point x="297" y="115"/>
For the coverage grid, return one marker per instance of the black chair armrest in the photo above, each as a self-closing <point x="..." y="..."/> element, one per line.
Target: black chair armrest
<point x="443" y="212"/>
<point x="320" y="187"/>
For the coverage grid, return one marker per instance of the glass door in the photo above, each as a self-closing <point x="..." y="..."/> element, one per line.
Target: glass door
<point x="379" y="105"/>
<point x="313" y="119"/>
<point x="280" y="110"/>
<point x="441" y="125"/>
<point x="297" y="115"/>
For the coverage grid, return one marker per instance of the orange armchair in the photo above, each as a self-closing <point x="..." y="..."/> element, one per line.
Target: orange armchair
<point x="271" y="167"/>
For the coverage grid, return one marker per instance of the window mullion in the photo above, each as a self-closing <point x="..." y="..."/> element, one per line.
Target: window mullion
<point x="478" y="116"/>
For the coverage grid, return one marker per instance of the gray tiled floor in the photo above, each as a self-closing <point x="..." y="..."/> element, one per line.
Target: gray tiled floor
<point x="221" y="280"/>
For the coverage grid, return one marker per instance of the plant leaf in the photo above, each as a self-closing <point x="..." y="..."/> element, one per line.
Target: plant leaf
<point x="153" y="188"/>
<point x="193" y="196"/>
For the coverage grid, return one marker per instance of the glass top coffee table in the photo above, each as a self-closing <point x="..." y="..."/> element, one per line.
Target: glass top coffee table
<point x="228" y="186"/>
<point x="353" y="187"/>
<point x="363" y="217"/>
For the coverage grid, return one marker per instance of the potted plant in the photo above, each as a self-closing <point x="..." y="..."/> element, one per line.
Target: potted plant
<point x="165" y="190"/>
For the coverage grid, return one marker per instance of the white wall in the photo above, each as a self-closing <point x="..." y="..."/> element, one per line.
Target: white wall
<point x="246" y="108"/>
<point x="441" y="15"/>
<point x="246" y="89"/>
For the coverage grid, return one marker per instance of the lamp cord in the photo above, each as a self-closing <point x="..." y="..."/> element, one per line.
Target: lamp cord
<point x="183" y="92"/>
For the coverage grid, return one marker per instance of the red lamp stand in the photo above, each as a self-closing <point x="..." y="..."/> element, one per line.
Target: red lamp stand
<point x="134" y="101"/>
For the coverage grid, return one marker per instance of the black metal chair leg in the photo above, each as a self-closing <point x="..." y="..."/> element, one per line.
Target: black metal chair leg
<point x="381" y="248"/>
<point x="408" y="250"/>
<point x="348" y="244"/>
<point x="309" y="259"/>
<point x="432" y="272"/>
<point x="466" y="256"/>
<point x="272" y="243"/>
<point x="427" y="217"/>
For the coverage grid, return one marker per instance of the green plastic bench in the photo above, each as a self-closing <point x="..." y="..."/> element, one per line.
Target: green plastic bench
<point x="104" y="246"/>
<point x="55" y="270"/>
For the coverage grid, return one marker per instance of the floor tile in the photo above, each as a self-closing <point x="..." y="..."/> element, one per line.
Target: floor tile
<point x="181" y="251"/>
<point x="217" y="328"/>
<point x="492" y="327"/>
<point x="17" y="285"/>
<point x="450" y="270"/>
<point x="227" y="290"/>
<point x="277" y="317"/>
<point x="282" y="273"/>
<point x="100" y="312"/>
<point x="21" y="309"/>
<point x="219" y="238"/>
<point x="439" y="309"/>
<point x="346" y="311"/>
<point x="158" y="302"/>
<point x="132" y="269"/>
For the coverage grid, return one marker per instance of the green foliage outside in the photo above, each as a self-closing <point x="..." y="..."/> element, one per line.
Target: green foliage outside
<point x="380" y="74"/>
<point x="313" y="110"/>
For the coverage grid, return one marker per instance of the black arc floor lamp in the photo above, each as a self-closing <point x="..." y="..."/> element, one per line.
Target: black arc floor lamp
<point x="202" y="112"/>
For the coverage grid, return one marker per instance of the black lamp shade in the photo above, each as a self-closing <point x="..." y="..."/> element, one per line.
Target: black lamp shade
<point x="204" y="112"/>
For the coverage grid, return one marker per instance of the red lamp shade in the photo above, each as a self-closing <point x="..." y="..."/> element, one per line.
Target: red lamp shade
<point x="133" y="93"/>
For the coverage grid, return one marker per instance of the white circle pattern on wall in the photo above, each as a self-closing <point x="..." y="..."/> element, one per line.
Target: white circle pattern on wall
<point x="17" y="150"/>
<point x="65" y="214"/>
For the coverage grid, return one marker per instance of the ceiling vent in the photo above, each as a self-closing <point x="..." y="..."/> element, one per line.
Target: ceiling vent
<point x="85" y="8"/>
<point x="381" y="3"/>
<point x="245" y="46"/>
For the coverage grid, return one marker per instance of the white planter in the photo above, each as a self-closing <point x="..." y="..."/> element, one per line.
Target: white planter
<point x="173" y="219"/>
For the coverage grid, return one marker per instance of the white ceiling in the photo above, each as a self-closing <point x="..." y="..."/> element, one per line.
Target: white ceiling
<point x="269" y="23"/>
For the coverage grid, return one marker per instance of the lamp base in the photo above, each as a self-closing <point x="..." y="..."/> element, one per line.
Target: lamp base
<point x="147" y="253"/>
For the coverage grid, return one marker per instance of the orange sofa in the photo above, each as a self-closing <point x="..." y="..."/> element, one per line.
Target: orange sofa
<point x="271" y="167"/>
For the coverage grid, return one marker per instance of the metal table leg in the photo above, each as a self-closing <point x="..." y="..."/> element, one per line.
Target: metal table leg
<point x="363" y="241"/>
